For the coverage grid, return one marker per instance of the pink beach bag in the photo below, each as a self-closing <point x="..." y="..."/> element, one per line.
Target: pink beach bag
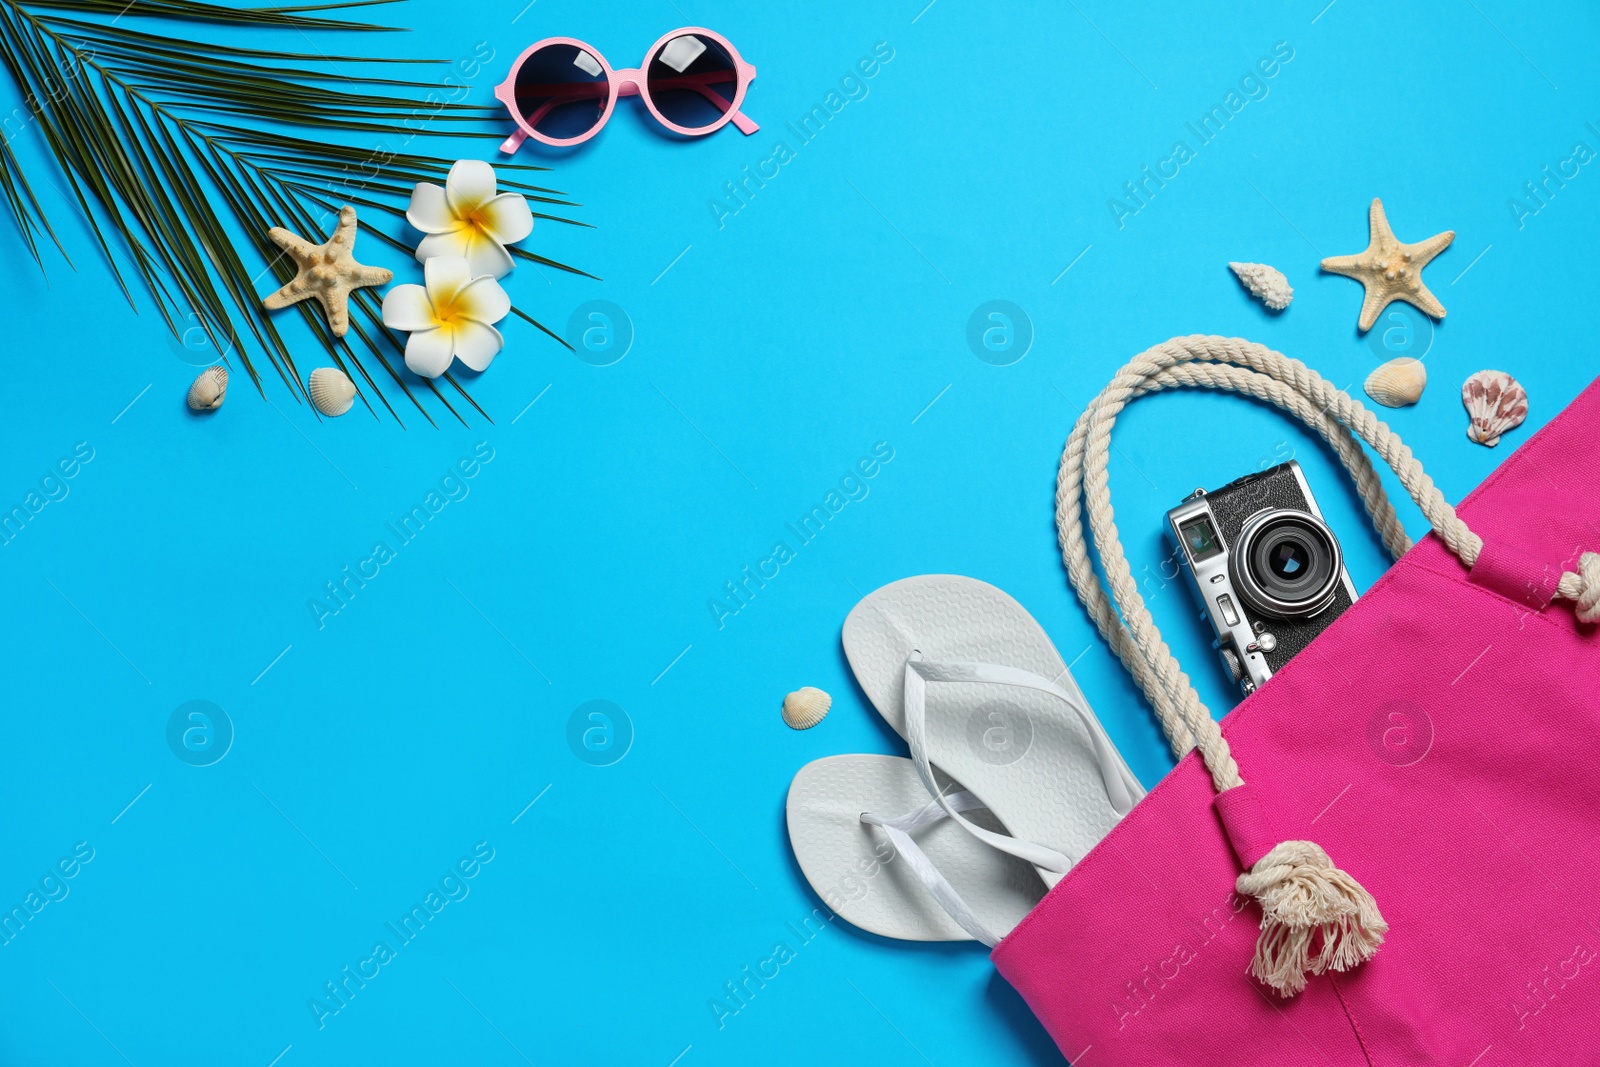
<point x="1437" y="743"/>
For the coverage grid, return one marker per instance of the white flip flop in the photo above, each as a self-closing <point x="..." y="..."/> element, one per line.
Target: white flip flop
<point x="974" y="685"/>
<point x="917" y="876"/>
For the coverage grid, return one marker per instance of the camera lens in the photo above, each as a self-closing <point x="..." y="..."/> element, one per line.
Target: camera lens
<point x="1289" y="560"/>
<point x="1287" y="564"/>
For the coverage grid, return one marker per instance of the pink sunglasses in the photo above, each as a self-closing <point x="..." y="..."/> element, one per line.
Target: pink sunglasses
<point x="561" y="91"/>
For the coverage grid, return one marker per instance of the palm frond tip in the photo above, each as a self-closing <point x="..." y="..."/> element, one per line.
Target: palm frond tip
<point x="165" y="147"/>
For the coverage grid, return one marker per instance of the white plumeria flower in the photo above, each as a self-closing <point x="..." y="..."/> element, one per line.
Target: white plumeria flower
<point x="452" y="318"/>
<point x="466" y="218"/>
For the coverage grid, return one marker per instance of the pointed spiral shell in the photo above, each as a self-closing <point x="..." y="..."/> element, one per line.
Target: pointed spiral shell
<point x="1266" y="284"/>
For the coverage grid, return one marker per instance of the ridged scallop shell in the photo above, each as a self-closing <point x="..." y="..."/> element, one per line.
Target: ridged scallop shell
<point x="1266" y="284"/>
<point x="332" y="391"/>
<point x="1398" y="382"/>
<point x="209" y="389"/>
<point x="804" y="708"/>
<point x="1497" y="404"/>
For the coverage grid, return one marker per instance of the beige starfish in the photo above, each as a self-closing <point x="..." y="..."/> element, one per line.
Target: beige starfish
<point x="328" y="272"/>
<point x="1390" y="269"/>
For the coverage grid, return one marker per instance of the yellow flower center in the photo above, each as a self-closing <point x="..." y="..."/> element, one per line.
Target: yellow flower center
<point x="447" y="313"/>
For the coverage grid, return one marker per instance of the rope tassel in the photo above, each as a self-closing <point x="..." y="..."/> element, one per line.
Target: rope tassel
<point x="1314" y="917"/>
<point x="1583" y="587"/>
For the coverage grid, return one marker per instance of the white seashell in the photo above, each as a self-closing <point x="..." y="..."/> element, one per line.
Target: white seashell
<point x="804" y="708"/>
<point x="1398" y="382"/>
<point x="332" y="391"/>
<point x="1497" y="404"/>
<point x="1266" y="284"/>
<point x="209" y="389"/>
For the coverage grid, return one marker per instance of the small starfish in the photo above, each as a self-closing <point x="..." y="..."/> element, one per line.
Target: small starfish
<point x="1391" y="270"/>
<point x="328" y="272"/>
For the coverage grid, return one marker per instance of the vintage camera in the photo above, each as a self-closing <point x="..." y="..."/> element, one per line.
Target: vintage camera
<point x="1268" y="571"/>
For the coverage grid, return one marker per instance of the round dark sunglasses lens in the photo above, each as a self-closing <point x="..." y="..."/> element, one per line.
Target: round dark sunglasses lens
<point x="561" y="91"/>
<point x="692" y="81"/>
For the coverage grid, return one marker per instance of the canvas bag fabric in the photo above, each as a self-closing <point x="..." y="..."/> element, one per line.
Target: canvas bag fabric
<point x="1438" y="740"/>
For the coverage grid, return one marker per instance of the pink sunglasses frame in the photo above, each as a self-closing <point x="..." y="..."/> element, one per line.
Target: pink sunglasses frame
<point x="628" y="83"/>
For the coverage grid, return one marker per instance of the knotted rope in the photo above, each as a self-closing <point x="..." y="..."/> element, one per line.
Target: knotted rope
<point x="1315" y="917"/>
<point x="1583" y="587"/>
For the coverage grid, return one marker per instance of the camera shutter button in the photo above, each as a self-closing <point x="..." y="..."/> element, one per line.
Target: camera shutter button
<point x="1264" y="642"/>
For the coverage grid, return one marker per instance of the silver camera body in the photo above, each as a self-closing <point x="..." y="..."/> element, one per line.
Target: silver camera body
<point x="1268" y="572"/>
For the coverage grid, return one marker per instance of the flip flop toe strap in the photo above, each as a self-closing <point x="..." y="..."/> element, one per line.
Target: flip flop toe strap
<point x="1120" y="790"/>
<point x="899" y="831"/>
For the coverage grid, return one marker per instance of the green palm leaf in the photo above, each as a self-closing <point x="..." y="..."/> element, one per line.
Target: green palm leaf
<point x="166" y="148"/>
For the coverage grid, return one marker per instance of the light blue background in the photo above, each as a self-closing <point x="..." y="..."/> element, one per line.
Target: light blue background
<point x="771" y="353"/>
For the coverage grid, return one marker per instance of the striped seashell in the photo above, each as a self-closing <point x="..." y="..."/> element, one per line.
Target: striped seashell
<point x="1398" y="382"/>
<point x="209" y="389"/>
<point x="804" y="708"/>
<point x="1496" y="402"/>
<point x="332" y="391"/>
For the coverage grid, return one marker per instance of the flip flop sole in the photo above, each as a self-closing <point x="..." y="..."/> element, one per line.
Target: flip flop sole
<point x="861" y="878"/>
<point x="1023" y="753"/>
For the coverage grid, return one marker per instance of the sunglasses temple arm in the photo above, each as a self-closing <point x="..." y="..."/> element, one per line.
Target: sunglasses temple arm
<point x="514" y="142"/>
<point x="699" y="83"/>
<point x="746" y="125"/>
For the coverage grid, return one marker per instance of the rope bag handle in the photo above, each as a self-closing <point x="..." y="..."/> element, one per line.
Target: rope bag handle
<point x="1315" y="917"/>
